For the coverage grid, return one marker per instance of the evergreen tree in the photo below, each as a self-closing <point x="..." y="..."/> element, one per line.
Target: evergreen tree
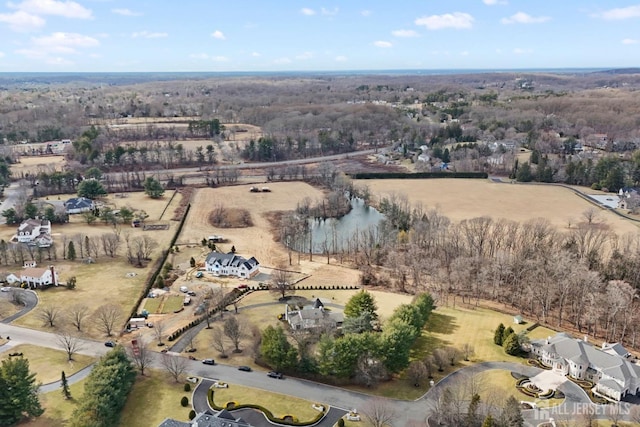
<point x="91" y="189"/>
<point x="511" y="414"/>
<point x="71" y="251"/>
<point x="472" y="411"/>
<point x="153" y="188"/>
<point x="276" y="350"/>
<point x="489" y="422"/>
<point x="18" y="392"/>
<point x="360" y="302"/>
<point x="511" y="345"/>
<point x="497" y="336"/>
<point x="192" y="262"/>
<point x="524" y="173"/>
<point x="65" y="386"/>
<point x="507" y="332"/>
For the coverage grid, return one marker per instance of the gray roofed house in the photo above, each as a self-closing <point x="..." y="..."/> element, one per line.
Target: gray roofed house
<point x="222" y="418"/>
<point x="231" y="265"/>
<point x="613" y="375"/>
<point x="78" y="205"/>
<point x="615" y="349"/>
<point x="312" y="316"/>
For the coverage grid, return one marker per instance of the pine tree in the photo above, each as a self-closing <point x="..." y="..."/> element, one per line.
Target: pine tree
<point x="512" y="345"/>
<point x="507" y="332"/>
<point x="192" y="262"/>
<point x="488" y="422"/>
<point x="71" y="251"/>
<point x="472" y="411"/>
<point x="18" y="392"/>
<point x="497" y="337"/>
<point x="65" y="386"/>
<point x="511" y="414"/>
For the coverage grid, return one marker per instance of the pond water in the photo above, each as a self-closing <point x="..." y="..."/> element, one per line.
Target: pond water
<point x="333" y="234"/>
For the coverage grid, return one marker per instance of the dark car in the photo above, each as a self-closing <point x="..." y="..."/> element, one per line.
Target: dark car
<point x="274" y="374"/>
<point x="191" y="350"/>
<point x="244" y="368"/>
<point x="110" y="344"/>
<point x="191" y="293"/>
<point x="208" y="361"/>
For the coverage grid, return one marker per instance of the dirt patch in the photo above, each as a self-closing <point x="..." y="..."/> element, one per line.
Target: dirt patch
<point x="222" y="217"/>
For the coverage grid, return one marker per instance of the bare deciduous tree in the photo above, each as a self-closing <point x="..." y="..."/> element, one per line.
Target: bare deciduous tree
<point x="106" y="317"/>
<point x="140" y="353"/>
<point x="158" y="330"/>
<point x="234" y="331"/>
<point x="48" y="314"/>
<point x="110" y="243"/>
<point x="417" y="373"/>
<point x="70" y="343"/>
<point x="379" y="413"/>
<point x="174" y="365"/>
<point x="218" y="341"/>
<point x="77" y="314"/>
<point x="467" y="351"/>
<point x="281" y="281"/>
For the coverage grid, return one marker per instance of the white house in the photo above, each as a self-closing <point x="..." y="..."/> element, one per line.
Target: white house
<point x="77" y="205"/>
<point x="312" y="316"/>
<point x="231" y="265"/>
<point x="613" y="375"/>
<point x="9" y="278"/>
<point x="35" y="232"/>
<point x="39" y="277"/>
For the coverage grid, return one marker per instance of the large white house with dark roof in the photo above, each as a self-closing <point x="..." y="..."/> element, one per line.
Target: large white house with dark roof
<point x="36" y="232"/>
<point x="231" y="265"/>
<point x="614" y="375"/>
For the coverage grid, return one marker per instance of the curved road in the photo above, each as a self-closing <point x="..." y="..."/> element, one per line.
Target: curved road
<point x="30" y="302"/>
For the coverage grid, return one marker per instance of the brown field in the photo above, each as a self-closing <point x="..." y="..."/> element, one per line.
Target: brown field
<point x="461" y="199"/>
<point x="37" y="164"/>
<point x="48" y="363"/>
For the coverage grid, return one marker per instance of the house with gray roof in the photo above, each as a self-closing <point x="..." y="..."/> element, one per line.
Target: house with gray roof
<point x="222" y="418"/>
<point x="312" y="316"/>
<point x="614" y="376"/>
<point x="230" y="264"/>
<point x="77" y="205"/>
<point x="34" y="232"/>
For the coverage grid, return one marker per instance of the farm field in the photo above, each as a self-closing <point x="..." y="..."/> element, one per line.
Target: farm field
<point x="37" y="164"/>
<point x="461" y="199"/>
<point x="48" y="363"/>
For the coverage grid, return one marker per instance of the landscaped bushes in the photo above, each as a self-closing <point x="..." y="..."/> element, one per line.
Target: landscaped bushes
<point x="417" y="175"/>
<point x="286" y="420"/>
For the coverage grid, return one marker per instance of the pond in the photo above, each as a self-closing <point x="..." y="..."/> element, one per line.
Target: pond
<point x="334" y="234"/>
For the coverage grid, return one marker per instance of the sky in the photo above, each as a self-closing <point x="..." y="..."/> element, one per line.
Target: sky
<point x="312" y="35"/>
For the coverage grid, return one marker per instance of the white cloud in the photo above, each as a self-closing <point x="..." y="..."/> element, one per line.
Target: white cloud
<point x="382" y="43"/>
<point x="64" y="42"/>
<point x="327" y="12"/>
<point x="620" y="13"/>
<point x="255" y="54"/>
<point x="525" y="18"/>
<point x="148" y="35"/>
<point x="220" y="59"/>
<point x="282" y="61"/>
<point x="1" y="54"/>
<point x="21" y="21"/>
<point x="405" y="33"/>
<point x="305" y="55"/>
<point x="341" y="58"/>
<point x="630" y="41"/>
<point x="126" y="12"/>
<point x="520" y="51"/>
<point x="494" y="2"/>
<point x="456" y="20"/>
<point x="199" y="56"/>
<point x="464" y="53"/>
<point x="68" y="9"/>
<point x="366" y="13"/>
<point x="307" y="11"/>
<point x="217" y="34"/>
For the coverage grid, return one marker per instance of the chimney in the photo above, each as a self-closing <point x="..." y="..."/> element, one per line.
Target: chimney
<point x="53" y="275"/>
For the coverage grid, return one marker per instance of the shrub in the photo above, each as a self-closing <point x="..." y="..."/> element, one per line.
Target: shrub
<point x="341" y="422"/>
<point x="184" y="401"/>
<point x="187" y="387"/>
<point x="192" y="414"/>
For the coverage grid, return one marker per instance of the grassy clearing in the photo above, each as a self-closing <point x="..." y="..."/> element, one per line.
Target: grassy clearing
<point x="172" y="303"/>
<point x="57" y="409"/>
<point x="152" y="305"/>
<point x="153" y="398"/>
<point x="497" y="385"/>
<point x="48" y="363"/>
<point x="279" y="405"/>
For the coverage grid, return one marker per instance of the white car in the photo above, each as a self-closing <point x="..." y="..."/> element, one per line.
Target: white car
<point x="193" y="380"/>
<point x="5" y="289"/>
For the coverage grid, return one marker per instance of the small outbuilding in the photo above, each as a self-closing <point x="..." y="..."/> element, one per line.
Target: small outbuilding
<point x="518" y="320"/>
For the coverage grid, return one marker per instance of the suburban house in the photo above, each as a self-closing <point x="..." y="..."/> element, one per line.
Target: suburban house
<point x="9" y="278"/>
<point x="613" y="374"/>
<point x="39" y="277"/>
<point x="222" y="418"/>
<point x="231" y="265"/>
<point x="312" y="316"/>
<point x="77" y="205"/>
<point x="36" y="232"/>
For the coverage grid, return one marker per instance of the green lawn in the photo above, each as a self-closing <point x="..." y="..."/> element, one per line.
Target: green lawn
<point x="152" y="305"/>
<point x="57" y="409"/>
<point x="153" y="398"/>
<point x="172" y="303"/>
<point x="48" y="363"/>
<point x="279" y="405"/>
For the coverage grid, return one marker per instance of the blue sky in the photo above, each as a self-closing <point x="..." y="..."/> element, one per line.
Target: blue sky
<point x="287" y="35"/>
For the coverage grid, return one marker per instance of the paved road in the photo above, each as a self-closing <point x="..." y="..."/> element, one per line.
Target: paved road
<point x="11" y="196"/>
<point x="30" y="301"/>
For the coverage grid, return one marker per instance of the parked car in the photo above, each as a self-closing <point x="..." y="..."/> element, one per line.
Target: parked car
<point x="209" y="361"/>
<point x="274" y="374"/>
<point x="243" y="286"/>
<point x="191" y="350"/>
<point x="110" y="344"/>
<point x="192" y="380"/>
<point x="199" y="274"/>
<point x="184" y="289"/>
<point x="244" y="368"/>
<point x="191" y="293"/>
<point x="5" y="289"/>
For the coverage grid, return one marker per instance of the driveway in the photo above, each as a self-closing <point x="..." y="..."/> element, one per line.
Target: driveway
<point x="30" y="301"/>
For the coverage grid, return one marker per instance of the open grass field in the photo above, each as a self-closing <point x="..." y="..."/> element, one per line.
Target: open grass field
<point x="48" y="363"/>
<point x="172" y="303"/>
<point x="279" y="404"/>
<point x="251" y="241"/>
<point x="57" y="409"/>
<point x="37" y="164"/>
<point x="153" y="398"/>
<point x="497" y="385"/>
<point x="461" y="199"/>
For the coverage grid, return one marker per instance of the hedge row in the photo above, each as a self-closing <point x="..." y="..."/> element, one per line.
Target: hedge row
<point x="326" y="287"/>
<point x="532" y="327"/>
<point x="159" y="264"/>
<point x="267" y="413"/>
<point x="418" y="175"/>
